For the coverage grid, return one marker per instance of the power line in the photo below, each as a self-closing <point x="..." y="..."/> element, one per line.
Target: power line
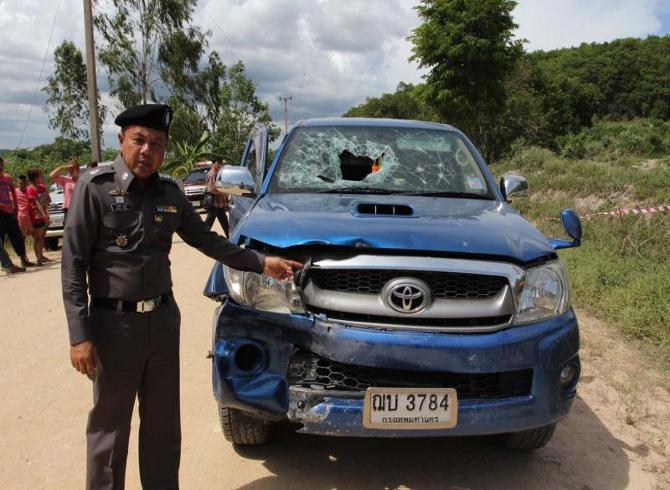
<point x="39" y="80"/>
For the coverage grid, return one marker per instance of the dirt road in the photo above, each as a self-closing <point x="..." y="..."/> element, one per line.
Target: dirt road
<point x="616" y="437"/>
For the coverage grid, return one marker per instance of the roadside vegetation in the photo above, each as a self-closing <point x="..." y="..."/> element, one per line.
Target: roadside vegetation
<point x="621" y="272"/>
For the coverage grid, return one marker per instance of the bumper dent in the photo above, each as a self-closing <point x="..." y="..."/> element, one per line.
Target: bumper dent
<point x="262" y="387"/>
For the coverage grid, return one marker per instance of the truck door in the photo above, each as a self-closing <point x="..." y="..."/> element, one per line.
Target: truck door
<point x="254" y="158"/>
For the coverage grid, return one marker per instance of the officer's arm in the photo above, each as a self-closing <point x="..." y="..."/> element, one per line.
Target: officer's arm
<point x="81" y="229"/>
<point x="195" y="232"/>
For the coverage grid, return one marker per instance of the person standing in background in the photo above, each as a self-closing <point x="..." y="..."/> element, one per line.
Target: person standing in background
<point x="67" y="182"/>
<point x="38" y="199"/>
<point x="9" y="226"/>
<point x="23" y="207"/>
<point x="217" y="201"/>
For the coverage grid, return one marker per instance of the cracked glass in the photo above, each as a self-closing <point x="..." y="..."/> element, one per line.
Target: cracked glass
<point x="395" y="160"/>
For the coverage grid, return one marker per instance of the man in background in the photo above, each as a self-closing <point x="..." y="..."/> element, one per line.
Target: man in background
<point x="218" y="201"/>
<point x="67" y="181"/>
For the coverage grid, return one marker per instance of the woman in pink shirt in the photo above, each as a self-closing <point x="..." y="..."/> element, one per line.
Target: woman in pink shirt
<point x="23" y="205"/>
<point x="67" y="182"/>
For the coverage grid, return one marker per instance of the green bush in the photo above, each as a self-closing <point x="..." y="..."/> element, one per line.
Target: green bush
<point x="621" y="273"/>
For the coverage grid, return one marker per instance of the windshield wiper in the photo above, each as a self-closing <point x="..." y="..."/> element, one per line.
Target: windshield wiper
<point x="463" y="195"/>
<point x="355" y="190"/>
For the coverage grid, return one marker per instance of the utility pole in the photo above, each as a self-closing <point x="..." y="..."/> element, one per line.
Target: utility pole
<point x="93" y="123"/>
<point x="285" y="100"/>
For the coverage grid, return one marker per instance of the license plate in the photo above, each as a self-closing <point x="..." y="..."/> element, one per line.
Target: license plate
<point x="196" y="204"/>
<point x="56" y="221"/>
<point x="410" y="408"/>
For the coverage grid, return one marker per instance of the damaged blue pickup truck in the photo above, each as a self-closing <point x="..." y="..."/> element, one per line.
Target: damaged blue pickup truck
<point x="427" y="305"/>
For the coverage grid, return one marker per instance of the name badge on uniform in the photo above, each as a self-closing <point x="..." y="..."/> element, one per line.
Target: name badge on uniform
<point x="121" y="206"/>
<point x="166" y="209"/>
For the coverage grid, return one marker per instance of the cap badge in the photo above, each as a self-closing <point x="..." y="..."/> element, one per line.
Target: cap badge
<point x="121" y="241"/>
<point x="166" y="118"/>
<point x="158" y="218"/>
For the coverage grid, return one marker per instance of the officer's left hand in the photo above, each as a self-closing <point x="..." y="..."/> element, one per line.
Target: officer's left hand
<point x="281" y="269"/>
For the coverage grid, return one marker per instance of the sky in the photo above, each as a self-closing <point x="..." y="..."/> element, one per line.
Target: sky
<point x="328" y="55"/>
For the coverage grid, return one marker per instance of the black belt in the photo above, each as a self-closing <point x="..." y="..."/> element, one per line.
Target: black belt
<point x="144" y="306"/>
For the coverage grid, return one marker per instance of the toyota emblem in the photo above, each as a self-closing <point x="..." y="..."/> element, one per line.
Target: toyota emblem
<point x="406" y="295"/>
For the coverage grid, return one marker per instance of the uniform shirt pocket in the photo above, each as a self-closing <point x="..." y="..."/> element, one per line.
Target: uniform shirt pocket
<point x="121" y="231"/>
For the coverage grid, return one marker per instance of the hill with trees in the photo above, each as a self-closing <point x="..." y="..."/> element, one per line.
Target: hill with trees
<point x="551" y="94"/>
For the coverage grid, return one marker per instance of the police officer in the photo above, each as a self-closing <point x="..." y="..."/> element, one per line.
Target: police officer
<point x="126" y="338"/>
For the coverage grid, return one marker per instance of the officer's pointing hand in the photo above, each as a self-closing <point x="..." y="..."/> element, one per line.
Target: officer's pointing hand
<point x="281" y="269"/>
<point x="83" y="357"/>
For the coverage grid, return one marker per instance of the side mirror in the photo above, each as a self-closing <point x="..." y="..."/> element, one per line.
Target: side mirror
<point x="573" y="227"/>
<point x="513" y="186"/>
<point x="237" y="181"/>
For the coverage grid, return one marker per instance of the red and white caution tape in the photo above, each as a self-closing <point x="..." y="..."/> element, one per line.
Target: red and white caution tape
<point x="664" y="208"/>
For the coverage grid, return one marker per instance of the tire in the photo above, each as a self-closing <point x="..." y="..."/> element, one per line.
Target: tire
<point x="242" y="429"/>
<point x="530" y="440"/>
<point x="51" y="243"/>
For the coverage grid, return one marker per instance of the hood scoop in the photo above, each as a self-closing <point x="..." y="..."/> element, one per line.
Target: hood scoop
<point x="383" y="209"/>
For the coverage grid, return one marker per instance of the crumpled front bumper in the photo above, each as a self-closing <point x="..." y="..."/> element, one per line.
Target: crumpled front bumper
<point x="252" y="349"/>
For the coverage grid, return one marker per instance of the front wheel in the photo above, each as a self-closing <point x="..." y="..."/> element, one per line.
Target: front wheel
<point x="51" y="243"/>
<point x="530" y="440"/>
<point x="240" y="428"/>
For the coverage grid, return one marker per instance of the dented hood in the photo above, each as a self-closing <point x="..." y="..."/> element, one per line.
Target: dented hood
<point x="437" y="224"/>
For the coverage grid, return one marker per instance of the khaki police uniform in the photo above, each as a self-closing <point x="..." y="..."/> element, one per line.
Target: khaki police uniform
<point x="117" y="239"/>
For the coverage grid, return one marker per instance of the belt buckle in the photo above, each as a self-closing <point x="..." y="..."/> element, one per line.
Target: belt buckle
<point x="146" y="306"/>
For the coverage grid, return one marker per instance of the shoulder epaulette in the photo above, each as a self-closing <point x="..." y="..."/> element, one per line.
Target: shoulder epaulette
<point x="169" y="179"/>
<point x="95" y="172"/>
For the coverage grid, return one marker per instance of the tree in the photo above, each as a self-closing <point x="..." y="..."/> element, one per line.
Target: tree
<point x="144" y="42"/>
<point x="469" y="49"/>
<point x="240" y="109"/>
<point x="404" y="103"/>
<point x="67" y="96"/>
<point x="223" y="103"/>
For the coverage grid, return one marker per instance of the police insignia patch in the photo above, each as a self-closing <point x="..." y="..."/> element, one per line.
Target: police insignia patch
<point x="121" y="241"/>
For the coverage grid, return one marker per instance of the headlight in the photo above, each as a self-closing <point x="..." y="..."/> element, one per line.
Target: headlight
<point x="545" y="293"/>
<point x="263" y="292"/>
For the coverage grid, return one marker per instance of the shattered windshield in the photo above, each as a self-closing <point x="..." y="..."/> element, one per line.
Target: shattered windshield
<point x="381" y="159"/>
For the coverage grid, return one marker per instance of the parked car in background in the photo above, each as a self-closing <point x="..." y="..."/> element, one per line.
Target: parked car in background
<point x="427" y="306"/>
<point x="194" y="184"/>
<point x="55" y="229"/>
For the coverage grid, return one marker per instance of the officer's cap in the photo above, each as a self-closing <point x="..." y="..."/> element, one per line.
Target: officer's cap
<point x="155" y="116"/>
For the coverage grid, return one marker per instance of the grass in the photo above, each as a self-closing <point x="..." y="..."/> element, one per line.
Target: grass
<point x="621" y="273"/>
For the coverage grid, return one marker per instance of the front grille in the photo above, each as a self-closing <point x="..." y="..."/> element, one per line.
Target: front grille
<point x="55" y="207"/>
<point x="311" y="371"/>
<point x="413" y="321"/>
<point x="442" y="284"/>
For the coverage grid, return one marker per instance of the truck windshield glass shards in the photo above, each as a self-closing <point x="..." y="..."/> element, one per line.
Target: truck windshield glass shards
<point x="397" y="160"/>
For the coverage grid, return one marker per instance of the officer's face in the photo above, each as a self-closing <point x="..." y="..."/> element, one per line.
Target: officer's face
<point x="143" y="150"/>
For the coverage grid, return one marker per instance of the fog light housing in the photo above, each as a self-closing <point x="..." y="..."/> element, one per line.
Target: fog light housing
<point x="569" y="375"/>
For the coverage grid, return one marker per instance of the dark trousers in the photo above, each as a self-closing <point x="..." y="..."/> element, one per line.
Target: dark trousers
<point x="220" y="214"/>
<point x="138" y="355"/>
<point x="5" y="261"/>
<point x="9" y="226"/>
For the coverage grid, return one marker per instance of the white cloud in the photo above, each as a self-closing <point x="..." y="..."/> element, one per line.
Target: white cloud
<point x="328" y="55"/>
<point x="550" y="24"/>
